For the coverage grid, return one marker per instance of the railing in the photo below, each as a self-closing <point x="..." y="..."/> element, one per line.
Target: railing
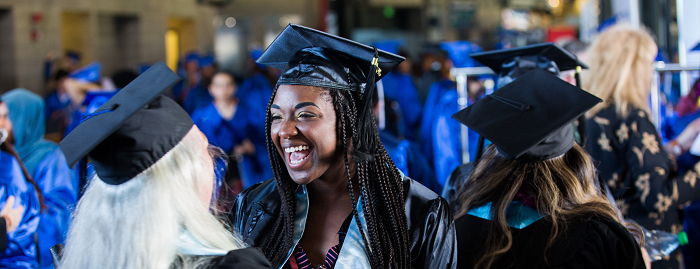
<point x="661" y="67"/>
<point x="461" y="74"/>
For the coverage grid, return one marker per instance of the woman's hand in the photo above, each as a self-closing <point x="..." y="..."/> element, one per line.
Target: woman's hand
<point x="687" y="137"/>
<point x="245" y="148"/>
<point x="684" y="141"/>
<point x="13" y="216"/>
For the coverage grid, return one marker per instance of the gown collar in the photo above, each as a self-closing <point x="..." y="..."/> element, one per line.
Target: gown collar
<point x="518" y="215"/>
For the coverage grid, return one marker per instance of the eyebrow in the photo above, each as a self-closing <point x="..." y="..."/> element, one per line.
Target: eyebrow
<point x="304" y="104"/>
<point x="275" y="106"/>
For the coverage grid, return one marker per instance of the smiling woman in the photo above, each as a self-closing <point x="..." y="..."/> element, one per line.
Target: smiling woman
<point x="337" y="199"/>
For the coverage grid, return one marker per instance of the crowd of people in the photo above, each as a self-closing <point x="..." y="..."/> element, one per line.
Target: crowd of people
<point x="334" y="154"/>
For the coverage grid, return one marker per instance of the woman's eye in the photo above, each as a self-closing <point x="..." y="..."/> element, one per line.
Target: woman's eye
<point x="304" y="115"/>
<point x="276" y="118"/>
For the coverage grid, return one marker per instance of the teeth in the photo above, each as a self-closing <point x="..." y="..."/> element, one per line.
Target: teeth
<point x="295" y="149"/>
<point x="299" y="161"/>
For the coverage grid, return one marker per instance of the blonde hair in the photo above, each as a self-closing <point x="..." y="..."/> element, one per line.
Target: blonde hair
<point x="137" y="224"/>
<point x="620" y="68"/>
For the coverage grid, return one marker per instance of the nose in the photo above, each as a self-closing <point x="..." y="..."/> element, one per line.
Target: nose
<point x="288" y="130"/>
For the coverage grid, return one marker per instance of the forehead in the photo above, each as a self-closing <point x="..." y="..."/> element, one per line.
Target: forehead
<point x="3" y="108"/>
<point x="222" y="76"/>
<point x="291" y="95"/>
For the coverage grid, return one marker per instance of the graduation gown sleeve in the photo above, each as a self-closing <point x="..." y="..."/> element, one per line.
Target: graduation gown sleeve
<point x="432" y="229"/>
<point x="21" y="250"/>
<point x="56" y="182"/>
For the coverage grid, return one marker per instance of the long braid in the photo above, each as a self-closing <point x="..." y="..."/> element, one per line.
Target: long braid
<point x="279" y="241"/>
<point x="383" y="203"/>
<point x="343" y="107"/>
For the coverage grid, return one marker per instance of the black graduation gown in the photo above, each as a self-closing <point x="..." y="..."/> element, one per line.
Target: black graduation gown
<point x="584" y="243"/>
<point x="240" y="258"/>
<point x="431" y="225"/>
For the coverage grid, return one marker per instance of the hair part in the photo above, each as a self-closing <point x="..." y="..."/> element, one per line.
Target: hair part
<point x="565" y="188"/>
<point x="378" y="179"/>
<point x="137" y="224"/>
<point x="620" y="72"/>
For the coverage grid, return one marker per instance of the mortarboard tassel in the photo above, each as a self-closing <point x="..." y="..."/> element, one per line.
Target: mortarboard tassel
<point x="365" y="149"/>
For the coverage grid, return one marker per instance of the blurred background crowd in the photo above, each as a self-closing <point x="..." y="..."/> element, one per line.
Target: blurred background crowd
<point x="76" y="54"/>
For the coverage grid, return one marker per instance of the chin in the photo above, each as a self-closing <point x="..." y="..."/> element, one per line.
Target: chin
<point x="301" y="178"/>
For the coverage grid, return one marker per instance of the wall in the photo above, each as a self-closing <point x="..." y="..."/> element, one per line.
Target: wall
<point x="119" y="33"/>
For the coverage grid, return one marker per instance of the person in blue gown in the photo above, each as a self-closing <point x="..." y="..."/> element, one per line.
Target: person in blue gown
<point x="188" y="69"/>
<point x="46" y="164"/>
<point x="21" y="203"/>
<point x="458" y="56"/>
<point x="199" y="96"/>
<point x="257" y="89"/>
<point x="405" y="154"/>
<point x="57" y="103"/>
<point x="398" y="85"/>
<point x="20" y="250"/>
<point x="233" y="127"/>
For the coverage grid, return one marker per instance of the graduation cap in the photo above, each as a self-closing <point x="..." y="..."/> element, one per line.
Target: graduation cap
<point x="496" y="59"/>
<point x="255" y="53"/>
<point x="87" y="74"/>
<point x="94" y="100"/>
<point x="696" y="48"/>
<point x="459" y="52"/>
<point x="529" y="119"/>
<point x="206" y="61"/>
<point x="132" y="130"/>
<point x="313" y="58"/>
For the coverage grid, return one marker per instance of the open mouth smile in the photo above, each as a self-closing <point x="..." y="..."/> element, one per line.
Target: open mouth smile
<point x="297" y="155"/>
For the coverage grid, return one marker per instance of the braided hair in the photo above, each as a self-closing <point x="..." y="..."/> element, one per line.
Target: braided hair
<point x="380" y="186"/>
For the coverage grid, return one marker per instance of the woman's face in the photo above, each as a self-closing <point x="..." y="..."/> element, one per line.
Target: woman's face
<point x="206" y="182"/>
<point x="303" y="129"/>
<point x="222" y="87"/>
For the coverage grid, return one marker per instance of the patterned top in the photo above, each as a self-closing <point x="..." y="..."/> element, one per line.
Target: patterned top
<point x="302" y="261"/>
<point x="640" y="174"/>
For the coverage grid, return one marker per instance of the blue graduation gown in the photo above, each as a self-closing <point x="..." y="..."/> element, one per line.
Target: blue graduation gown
<point x="255" y="92"/>
<point x="408" y="158"/>
<point x="437" y="90"/>
<point x="225" y="134"/>
<point x="400" y="88"/>
<point x="197" y="98"/>
<point x="57" y="183"/>
<point x="446" y="144"/>
<point x="54" y="103"/>
<point x="21" y="250"/>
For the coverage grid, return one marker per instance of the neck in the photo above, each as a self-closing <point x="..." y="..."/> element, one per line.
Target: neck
<point x="333" y="187"/>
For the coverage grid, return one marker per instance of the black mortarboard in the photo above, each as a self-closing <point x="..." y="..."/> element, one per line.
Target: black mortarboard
<point x="495" y="59"/>
<point x="131" y="131"/>
<point x="313" y="58"/>
<point x="529" y="119"/>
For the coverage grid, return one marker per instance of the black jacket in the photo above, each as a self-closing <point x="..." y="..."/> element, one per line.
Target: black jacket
<point x="431" y="225"/>
<point x="239" y="258"/>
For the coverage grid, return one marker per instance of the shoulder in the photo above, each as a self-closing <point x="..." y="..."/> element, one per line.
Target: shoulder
<point x="263" y="193"/>
<point x="422" y="204"/>
<point x="608" y="244"/>
<point x="258" y="191"/>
